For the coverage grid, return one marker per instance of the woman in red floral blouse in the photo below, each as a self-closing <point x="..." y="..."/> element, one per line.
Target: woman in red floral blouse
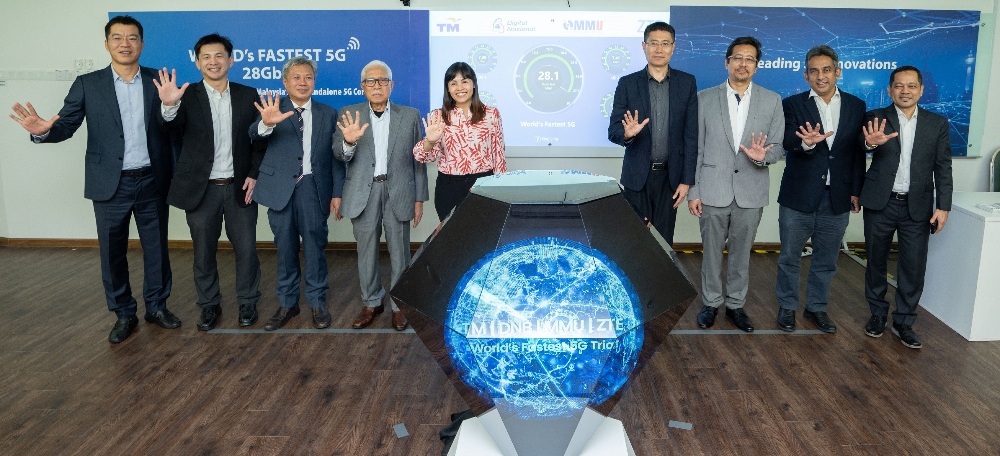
<point x="465" y="137"/>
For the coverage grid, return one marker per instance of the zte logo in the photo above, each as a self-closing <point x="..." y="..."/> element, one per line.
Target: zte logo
<point x="449" y="28"/>
<point x="583" y="25"/>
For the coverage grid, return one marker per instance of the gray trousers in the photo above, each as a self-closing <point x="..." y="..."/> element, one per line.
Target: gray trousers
<point x="739" y="226"/>
<point x="367" y="231"/>
<point x="219" y="206"/>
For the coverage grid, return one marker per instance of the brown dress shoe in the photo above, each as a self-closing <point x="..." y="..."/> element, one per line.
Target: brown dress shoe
<point x="399" y="321"/>
<point x="321" y="317"/>
<point x="367" y="316"/>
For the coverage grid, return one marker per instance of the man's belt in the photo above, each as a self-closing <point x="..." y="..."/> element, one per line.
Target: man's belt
<point x="226" y="181"/>
<point x="898" y="196"/>
<point x="380" y="178"/>
<point x="136" y="173"/>
<point x="657" y="166"/>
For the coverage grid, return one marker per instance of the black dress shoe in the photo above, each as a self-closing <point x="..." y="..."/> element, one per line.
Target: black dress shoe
<point x="321" y="317"/>
<point x="875" y="326"/>
<point x="822" y="320"/>
<point x="248" y="314"/>
<point x="164" y="319"/>
<point x="123" y="328"/>
<point x="786" y="319"/>
<point x="906" y="335"/>
<point x="281" y="317"/>
<point x="209" y="317"/>
<point x="706" y="318"/>
<point x="740" y="319"/>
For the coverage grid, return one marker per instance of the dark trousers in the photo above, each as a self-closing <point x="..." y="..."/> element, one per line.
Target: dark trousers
<point x="219" y="206"/>
<point x="912" y="237"/>
<point x="827" y="231"/>
<point x="302" y="218"/>
<point x="655" y="203"/>
<point x="451" y="189"/>
<point x="138" y="197"/>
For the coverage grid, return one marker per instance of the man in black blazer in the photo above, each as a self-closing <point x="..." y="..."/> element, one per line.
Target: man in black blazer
<point x="659" y="164"/>
<point x="911" y="163"/>
<point x="215" y="174"/>
<point x="820" y="186"/>
<point x="128" y="166"/>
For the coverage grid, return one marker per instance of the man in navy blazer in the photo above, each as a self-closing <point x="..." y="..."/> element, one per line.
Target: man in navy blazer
<point x="906" y="193"/>
<point x="301" y="184"/>
<point x="215" y="175"/>
<point x="655" y="116"/>
<point x="128" y="166"/>
<point x="820" y="186"/>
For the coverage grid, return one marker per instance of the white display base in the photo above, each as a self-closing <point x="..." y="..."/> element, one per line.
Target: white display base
<point x="596" y="435"/>
<point x="962" y="283"/>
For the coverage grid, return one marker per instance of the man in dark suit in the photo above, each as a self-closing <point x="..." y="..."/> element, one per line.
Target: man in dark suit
<point x="820" y="186"/>
<point x="301" y="185"/>
<point x="911" y="161"/>
<point x="659" y="164"/>
<point x="386" y="186"/>
<point x="128" y="168"/>
<point x="215" y="174"/>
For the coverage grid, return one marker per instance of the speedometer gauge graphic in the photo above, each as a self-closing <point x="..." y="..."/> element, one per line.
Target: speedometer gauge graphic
<point x="482" y="58"/>
<point x="616" y="59"/>
<point x="548" y="78"/>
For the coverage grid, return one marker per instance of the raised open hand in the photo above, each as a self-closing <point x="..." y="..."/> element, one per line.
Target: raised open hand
<point x="349" y="127"/>
<point x="757" y="151"/>
<point x="810" y="135"/>
<point x="270" y="113"/>
<point x="29" y="119"/>
<point x="170" y="94"/>
<point x="632" y="124"/>
<point x="875" y="133"/>
<point x="434" y="127"/>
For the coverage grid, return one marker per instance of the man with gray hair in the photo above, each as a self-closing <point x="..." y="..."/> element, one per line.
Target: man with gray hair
<point x="386" y="186"/>
<point x="820" y="186"/>
<point x="300" y="183"/>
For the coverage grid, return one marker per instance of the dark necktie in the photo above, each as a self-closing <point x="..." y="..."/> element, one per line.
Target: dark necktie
<point x="302" y="127"/>
<point x="735" y="95"/>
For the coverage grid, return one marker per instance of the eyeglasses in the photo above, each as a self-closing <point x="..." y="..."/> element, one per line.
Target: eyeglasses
<point x="738" y="59"/>
<point x="370" y="82"/>
<point x="659" y="44"/>
<point x="118" y="39"/>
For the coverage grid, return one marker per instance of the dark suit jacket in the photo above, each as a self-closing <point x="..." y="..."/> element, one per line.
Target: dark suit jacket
<point x="194" y="125"/>
<point x="804" y="180"/>
<point x="92" y="97"/>
<point x="407" y="177"/>
<point x="632" y="94"/>
<point x="930" y="165"/>
<point x="280" y="168"/>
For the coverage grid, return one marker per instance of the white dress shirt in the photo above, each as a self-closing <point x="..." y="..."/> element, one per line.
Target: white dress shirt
<point x="222" y="129"/>
<point x="829" y="117"/>
<point x="738" y="113"/>
<point x="380" y="133"/>
<point x="907" y="130"/>
<point x="264" y="130"/>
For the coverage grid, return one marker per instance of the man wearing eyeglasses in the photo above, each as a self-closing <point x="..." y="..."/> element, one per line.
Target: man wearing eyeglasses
<point x="911" y="164"/>
<point x="655" y="116"/>
<point x="300" y="183"/>
<point x="820" y="186"/>
<point x="128" y="166"/>
<point x="740" y="124"/>
<point x="386" y="186"/>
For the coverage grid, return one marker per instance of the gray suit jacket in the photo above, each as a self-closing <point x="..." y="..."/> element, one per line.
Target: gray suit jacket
<point x="723" y="173"/>
<point x="407" y="178"/>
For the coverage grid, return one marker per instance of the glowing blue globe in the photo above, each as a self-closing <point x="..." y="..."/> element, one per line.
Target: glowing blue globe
<point x="544" y="326"/>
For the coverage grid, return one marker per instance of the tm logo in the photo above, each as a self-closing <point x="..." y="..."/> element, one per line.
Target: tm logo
<point x="583" y="25"/>
<point x="353" y="44"/>
<point x="449" y="28"/>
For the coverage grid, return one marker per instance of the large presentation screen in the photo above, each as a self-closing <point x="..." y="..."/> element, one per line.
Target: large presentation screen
<point x="552" y="75"/>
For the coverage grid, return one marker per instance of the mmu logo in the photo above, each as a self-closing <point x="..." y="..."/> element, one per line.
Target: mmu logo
<point x="583" y="25"/>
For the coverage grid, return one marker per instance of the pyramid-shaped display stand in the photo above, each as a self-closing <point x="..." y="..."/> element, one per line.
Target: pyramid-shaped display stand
<point x="541" y="298"/>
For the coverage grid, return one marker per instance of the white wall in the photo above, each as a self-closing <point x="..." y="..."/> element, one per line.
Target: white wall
<point x="41" y="186"/>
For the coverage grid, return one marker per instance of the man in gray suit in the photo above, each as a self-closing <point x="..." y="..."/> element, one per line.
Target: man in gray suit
<point x="911" y="165"/>
<point x="738" y="126"/>
<point x="385" y="186"/>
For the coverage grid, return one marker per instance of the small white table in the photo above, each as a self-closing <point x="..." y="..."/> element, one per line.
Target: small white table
<point x="962" y="284"/>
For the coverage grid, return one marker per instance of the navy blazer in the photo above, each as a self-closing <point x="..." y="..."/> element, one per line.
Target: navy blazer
<point x="195" y="126"/>
<point x="930" y="165"/>
<point x="283" y="159"/>
<point x="632" y="94"/>
<point x="804" y="179"/>
<point x="92" y="97"/>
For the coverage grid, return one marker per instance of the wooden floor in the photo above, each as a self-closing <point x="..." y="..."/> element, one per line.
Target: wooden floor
<point x="65" y="390"/>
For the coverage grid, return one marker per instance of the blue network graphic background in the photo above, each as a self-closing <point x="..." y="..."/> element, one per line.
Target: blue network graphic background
<point x="942" y="44"/>
<point x="545" y="279"/>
